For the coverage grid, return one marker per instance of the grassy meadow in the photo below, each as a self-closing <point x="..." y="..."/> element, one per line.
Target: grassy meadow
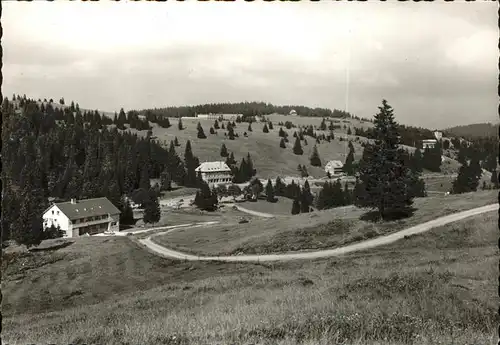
<point x="434" y="288"/>
<point x="315" y="230"/>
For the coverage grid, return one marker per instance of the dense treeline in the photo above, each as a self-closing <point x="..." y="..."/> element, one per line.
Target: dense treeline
<point x="64" y="153"/>
<point x="244" y="108"/>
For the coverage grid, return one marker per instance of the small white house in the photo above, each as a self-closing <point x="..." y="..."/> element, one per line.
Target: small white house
<point x="79" y="217"/>
<point x="335" y="168"/>
<point x="293" y="112"/>
<point x="215" y="173"/>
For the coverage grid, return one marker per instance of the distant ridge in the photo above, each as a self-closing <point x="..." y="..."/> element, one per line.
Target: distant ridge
<point x="476" y="130"/>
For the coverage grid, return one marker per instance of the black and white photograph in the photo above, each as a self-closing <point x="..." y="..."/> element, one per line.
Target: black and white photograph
<point x="250" y="172"/>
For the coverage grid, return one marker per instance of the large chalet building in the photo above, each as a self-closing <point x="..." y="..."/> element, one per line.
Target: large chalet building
<point x="79" y="217"/>
<point x="215" y="173"/>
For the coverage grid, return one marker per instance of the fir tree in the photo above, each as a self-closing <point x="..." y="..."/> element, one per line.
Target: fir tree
<point x="152" y="211"/>
<point x="384" y="177"/>
<point x="223" y="151"/>
<point x="166" y="180"/>
<point x="201" y="132"/>
<point x="314" y="159"/>
<point x="265" y="129"/>
<point x="297" y="148"/>
<point x="279" y="187"/>
<point x="270" y="192"/>
<point x="271" y="125"/>
<point x="296" y="206"/>
<point x="180" y="126"/>
<point x="176" y="142"/>
<point x="282" y="143"/>
<point x="216" y="124"/>
<point x="127" y="215"/>
<point x="349" y="162"/>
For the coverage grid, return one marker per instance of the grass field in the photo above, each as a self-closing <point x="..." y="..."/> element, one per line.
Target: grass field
<point x="269" y="159"/>
<point x="434" y="288"/>
<point x="192" y="215"/>
<point x="283" y="206"/>
<point x="320" y="229"/>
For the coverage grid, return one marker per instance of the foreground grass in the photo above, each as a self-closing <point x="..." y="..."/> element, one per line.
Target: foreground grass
<point x="316" y="230"/>
<point x="434" y="288"/>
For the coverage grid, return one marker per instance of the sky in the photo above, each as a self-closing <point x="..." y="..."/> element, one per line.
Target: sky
<point x="435" y="63"/>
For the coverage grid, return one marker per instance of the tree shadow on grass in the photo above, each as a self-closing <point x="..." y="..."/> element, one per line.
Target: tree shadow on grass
<point x="52" y="248"/>
<point x="374" y="216"/>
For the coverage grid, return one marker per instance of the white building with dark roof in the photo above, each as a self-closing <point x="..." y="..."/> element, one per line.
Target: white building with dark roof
<point x="215" y="173"/>
<point x="79" y="217"/>
<point x="334" y="168"/>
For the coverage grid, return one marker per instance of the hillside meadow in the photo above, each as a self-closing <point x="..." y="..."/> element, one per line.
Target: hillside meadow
<point x="316" y="230"/>
<point x="433" y="288"/>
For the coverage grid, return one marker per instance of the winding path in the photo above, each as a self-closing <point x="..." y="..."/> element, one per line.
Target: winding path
<point x="375" y="242"/>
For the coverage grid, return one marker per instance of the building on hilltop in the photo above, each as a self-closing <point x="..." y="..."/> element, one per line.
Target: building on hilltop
<point x="215" y="173"/>
<point x="78" y="217"/>
<point x="334" y="168"/>
<point x="293" y="112"/>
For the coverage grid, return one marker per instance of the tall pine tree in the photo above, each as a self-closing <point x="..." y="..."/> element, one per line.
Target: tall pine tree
<point x="383" y="174"/>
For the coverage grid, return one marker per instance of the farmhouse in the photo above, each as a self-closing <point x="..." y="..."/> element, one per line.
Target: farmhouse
<point x="429" y="143"/>
<point x="335" y="168"/>
<point x="215" y="173"/>
<point x="79" y="217"/>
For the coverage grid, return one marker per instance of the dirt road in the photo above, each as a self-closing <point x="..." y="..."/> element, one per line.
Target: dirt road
<point x="375" y="242"/>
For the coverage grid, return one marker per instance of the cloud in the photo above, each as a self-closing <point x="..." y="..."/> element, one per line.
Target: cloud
<point x="435" y="64"/>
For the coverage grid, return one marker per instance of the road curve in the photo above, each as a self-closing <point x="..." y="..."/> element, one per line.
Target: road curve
<point x="375" y="242"/>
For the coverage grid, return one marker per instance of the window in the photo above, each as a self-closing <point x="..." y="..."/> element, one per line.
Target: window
<point x="57" y="212"/>
<point x="52" y="211"/>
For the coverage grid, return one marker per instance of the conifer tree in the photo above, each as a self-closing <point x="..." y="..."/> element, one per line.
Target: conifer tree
<point x="297" y="148"/>
<point x="201" y="132"/>
<point x="180" y="126"/>
<point x="231" y="132"/>
<point x="216" y="124"/>
<point x="176" y="142"/>
<point x="127" y="215"/>
<point x="265" y="129"/>
<point x="315" y="159"/>
<point x="296" y="206"/>
<point x="152" y="211"/>
<point x="270" y="195"/>
<point x="212" y="130"/>
<point x="349" y="162"/>
<point x="385" y="180"/>
<point x="322" y="126"/>
<point x="279" y="187"/>
<point x="223" y="151"/>
<point x="282" y="143"/>
<point x="166" y="180"/>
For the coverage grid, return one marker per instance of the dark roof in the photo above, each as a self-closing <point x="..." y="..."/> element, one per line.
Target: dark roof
<point x="87" y="208"/>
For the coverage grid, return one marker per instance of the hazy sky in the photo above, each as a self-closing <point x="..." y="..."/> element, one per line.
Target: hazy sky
<point x="436" y="63"/>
